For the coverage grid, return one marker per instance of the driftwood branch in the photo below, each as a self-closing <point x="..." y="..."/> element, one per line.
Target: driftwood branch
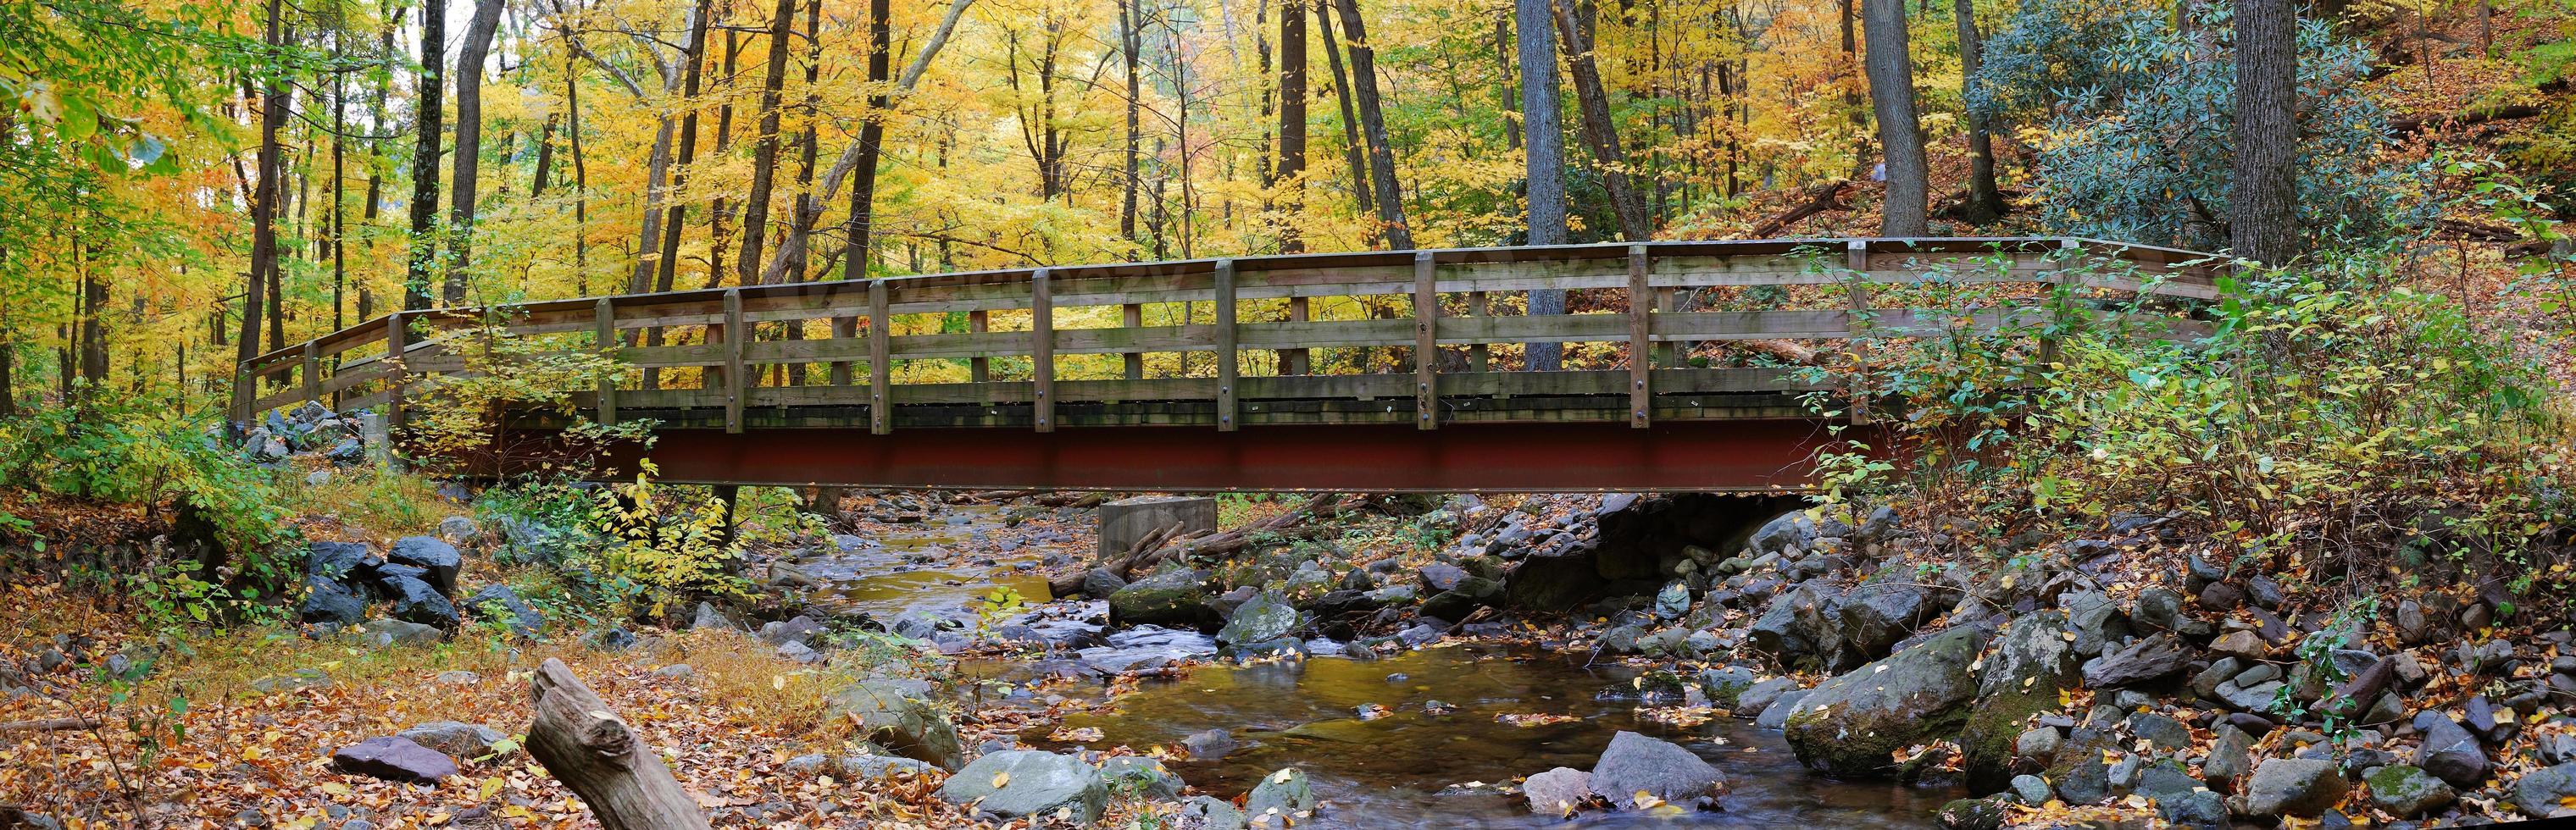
<point x="588" y="748"/>
<point x="1820" y="198"/>
<point x="48" y="725"/>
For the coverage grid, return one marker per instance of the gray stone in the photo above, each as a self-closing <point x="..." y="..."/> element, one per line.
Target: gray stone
<point x="1264" y="618"/>
<point x="2031" y="789"/>
<point x="432" y="554"/>
<point x="1558" y="792"/>
<point x="898" y="715"/>
<point x="331" y="601"/>
<point x="1638" y="764"/>
<point x="2095" y="619"/>
<point x="1759" y="697"/>
<point x="1776" y="716"/>
<point x="2039" y="744"/>
<point x="1282" y="799"/>
<point x="2449" y="752"/>
<point x="2294" y="786"/>
<point x="2231" y="755"/>
<point x="457" y="739"/>
<point x="2165" y="733"/>
<point x="2205" y="683"/>
<point x="1139" y="775"/>
<point x="1441" y="576"/>
<point x="1028" y="783"/>
<point x="2242" y="645"/>
<point x="291" y="681"/>
<point x="1852" y="725"/>
<point x="2202" y="810"/>
<point x="2540" y="792"/>
<point x="1101" y="582"/>
<point x="708" y="618"/>
<point x="341" y="561"/>
<point x="394" y="759"/>
<point x="459" y="530"/>
<point x="1876" y="616"/>
<point x="1206" y="813"/>
<point x="387" y="633"/>
<point x="2148" y="659"/>
<point x="1167" y="598"/>
<point x="1209" y="745"/>
<point x="2406" y="791"/>
<point x="500" y="604"/>
<point x="416" y="601"/>
<point x="1972" y="813"/>
<point x="796" y="630"/>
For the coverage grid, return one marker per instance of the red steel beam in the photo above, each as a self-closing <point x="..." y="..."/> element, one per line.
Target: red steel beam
<point x="1673" y="456"/>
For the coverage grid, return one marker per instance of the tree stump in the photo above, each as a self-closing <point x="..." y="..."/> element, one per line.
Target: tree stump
<point x="613" y="770"/>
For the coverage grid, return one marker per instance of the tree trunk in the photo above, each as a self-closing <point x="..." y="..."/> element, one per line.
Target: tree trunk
<point x="793" y="255"/>
<point x="676" y="213"/>
<point x="424" y="156"/>
<point x="2264" y="202"/>
<point x="858" y="251"/>
<point x="1390" y="199"/>
<point x="764" y="155"/>
<point x="1543" y="158"/>
<point x="1891" y="93"/>
<point x="1291" y="170"/>
<point x="469" y="142"/>
<point x="581" y="743"/>
<point x="1128" y="46"/>
<point x="263" y="213"/>
<point x="1598" y="128"/>
<point x="1985" y="202"/>
<point x="1353" y="149"/>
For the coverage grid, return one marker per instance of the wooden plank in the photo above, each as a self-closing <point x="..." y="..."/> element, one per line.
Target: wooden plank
<point x="1641" y="344"/>
<point x="1426" y="341"/>
<point x="344" y="380"/>
<point x="1856" y="293"/>
<point x="310" y="374"/>
<point x="604" y="338"/>
<point x="1132" y="315"/>
<point x="735" y="332"/>
<point x="1229" y="369"/>
<point x="395" y="379"/>
<point x="880" y="359"/>
<point x="1042" y="350"/>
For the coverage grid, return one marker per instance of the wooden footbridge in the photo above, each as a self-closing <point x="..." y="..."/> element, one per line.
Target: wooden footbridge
<point x="1375" y="371"/>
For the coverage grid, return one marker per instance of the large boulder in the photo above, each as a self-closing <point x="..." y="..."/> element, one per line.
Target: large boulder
<point x="1265" y="618"/>
<point x="2030" y="664"/>
<point x="1282" y="799"/>
<point x="432" y="554"/>
<point x="394" y="759"/>
<point x="2544" y="792"/>
<point x="1168" y="598"/>
<point x="1879" y="614"/>
<point x="2304" y="787"/>
<point x="332" y="601"/>
<point x="898" y="715"/>
<point x="1803" y="628"/>
<point x="416" y="601"/>
<point x="2449" y="752"/>
<point x="1852" y="725"/>
<point x="2146" y="660"/>
<point x="341" y="561"/>
<point x="1019" y="783"/>
<point x="500" y="604"/>
<point x="1635" y="764"/>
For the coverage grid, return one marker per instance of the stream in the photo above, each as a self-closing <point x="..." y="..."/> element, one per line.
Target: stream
<point x="1407" y="767"/>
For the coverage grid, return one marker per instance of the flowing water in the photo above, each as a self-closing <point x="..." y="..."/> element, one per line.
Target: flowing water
<point x="1407" y="768"/>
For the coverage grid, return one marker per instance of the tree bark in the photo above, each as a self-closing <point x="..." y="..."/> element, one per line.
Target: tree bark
<point x="424" y="156"/>
<point x="1907" y="208"/>
<point x="1598" y="128"/>
<point x="677" y="212"/>
<point x="857" y="252"/>
<point x="764" y="154"/>
<point x="1291" y="169"/>
<point x="1543" y="158"/>
<point x="1985" y="201"/>
<point x="2264" y="221"/>
<point x="263" y="212"/>
<point x="1128" y="45"/>
<point x="469" y="143"/>
<point x="1354" y="150"/>
<point x="1390" y="199"/>
<point x="584" y="745"/>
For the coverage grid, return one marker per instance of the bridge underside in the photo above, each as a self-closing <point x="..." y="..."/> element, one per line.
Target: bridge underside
<point x="1681" y="456"/>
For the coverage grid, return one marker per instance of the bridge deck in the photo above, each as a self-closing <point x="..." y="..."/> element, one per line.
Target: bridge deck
<point x="1168" y="361"/>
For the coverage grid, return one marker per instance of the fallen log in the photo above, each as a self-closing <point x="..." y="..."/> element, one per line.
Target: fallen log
<point x="1820" y="198"/>
<point x="48" y="725"/>
<point x="585" y="746"/>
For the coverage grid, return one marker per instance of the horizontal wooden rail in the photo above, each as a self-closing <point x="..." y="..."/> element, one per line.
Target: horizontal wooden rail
<point x="1234" y="341"/>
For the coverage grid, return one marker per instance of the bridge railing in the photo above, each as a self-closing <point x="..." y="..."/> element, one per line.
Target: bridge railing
<point x="1232" y="340"/>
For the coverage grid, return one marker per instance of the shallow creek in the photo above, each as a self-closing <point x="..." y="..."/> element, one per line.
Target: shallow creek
<point x="1406" y="768"/>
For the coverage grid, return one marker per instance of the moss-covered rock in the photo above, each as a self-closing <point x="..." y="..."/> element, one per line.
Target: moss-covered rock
<point x="1852" y="726"/>
<point x="1168" y="598"/>
<point x="2022" y="677"/>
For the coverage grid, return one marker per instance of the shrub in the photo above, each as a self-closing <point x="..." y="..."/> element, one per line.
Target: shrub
<point x="661" y="549"/>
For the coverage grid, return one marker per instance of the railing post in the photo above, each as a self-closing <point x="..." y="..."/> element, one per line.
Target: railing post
<point x="880" y="359"/>
<point x="396" y="342"/>
<point x="1479" y="358"/>
<point x="1132" y="315"/>
<point x="1641" y="340"/>
<point x="979" y="369"/>
<point x="311" y="371"/>
<point x="1426" y="341"/>
<point x="1042" y="350"/>
<point x="843" y="328"/>
<point x="734" y="381"/>
<point x="603" y="315"/>
<point x="1857" y="292"/>
<point x="1229" y="368"/>
<point x="1296" y="361"/>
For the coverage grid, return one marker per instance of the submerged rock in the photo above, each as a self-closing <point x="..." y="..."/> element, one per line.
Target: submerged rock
<point x="1282" y="799"/>
<point x="1635" y="764"/>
